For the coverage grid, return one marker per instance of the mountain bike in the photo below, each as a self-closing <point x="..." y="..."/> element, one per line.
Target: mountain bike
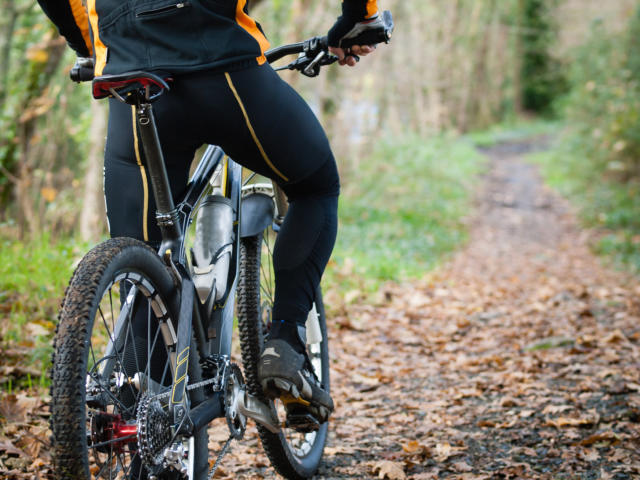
<point x="142" y="350"/>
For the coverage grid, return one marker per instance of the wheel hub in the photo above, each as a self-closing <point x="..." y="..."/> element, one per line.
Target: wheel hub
<point x="109" y="433"/>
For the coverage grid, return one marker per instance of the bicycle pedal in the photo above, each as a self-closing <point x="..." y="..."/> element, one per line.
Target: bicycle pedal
<point x="302" y="422"/>
<point x="289" y="399"/>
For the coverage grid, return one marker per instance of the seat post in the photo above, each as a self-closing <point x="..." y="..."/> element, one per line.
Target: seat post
<point x="166" y="214"/>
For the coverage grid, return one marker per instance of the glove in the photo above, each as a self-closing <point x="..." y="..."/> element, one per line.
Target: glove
<point x="350" y="23"/>
<point x="82" y="70"/>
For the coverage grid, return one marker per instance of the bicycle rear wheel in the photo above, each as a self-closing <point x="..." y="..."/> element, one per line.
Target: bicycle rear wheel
<point x="114" y="352"/>
<point x="294" y="455"/>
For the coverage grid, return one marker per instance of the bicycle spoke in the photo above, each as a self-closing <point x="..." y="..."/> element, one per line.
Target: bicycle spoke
<point x="118" y="360"/>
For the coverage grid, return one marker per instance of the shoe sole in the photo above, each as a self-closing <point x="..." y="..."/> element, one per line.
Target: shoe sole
<point x="274" y="387"/>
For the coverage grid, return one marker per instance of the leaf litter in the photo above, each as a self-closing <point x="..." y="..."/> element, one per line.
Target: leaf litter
<point x="517" y="359"/>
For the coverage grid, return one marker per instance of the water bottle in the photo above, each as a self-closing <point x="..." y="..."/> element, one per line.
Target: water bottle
<point x="212" y="247"/>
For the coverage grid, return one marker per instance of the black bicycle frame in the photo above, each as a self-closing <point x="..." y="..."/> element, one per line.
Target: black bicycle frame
<point x="212" y="322"/>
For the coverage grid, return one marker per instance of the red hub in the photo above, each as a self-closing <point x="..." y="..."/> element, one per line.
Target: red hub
<point x="110" y="433"/>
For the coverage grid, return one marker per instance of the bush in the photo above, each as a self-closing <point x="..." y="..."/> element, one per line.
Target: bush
<point x="603" y="108"/>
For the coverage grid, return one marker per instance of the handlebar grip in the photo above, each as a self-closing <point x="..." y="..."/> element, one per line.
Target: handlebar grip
<point x="379" y="32"/>
<point x="82" y="70"/>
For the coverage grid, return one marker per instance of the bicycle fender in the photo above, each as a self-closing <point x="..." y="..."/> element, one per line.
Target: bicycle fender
<point x="256" y="213"/>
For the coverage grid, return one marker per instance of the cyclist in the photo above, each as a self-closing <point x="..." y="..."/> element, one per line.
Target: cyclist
<point x="223" y="93"/>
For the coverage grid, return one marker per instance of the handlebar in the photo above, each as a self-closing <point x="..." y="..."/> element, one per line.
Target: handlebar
<point x="313" y="53"/>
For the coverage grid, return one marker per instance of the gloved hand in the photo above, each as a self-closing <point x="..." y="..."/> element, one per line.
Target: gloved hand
<point x="356" y="15"/>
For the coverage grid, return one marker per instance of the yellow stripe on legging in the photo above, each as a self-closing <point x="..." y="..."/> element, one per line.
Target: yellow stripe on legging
<point x="253" y="133"/>
<point x="145" y="188"/>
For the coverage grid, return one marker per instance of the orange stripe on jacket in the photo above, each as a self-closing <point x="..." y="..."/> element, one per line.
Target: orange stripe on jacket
<point x="372" y="8"/>
<point x="82" y="20"/>
<point x="249" y="24"/>
<point x="100" y="48"/>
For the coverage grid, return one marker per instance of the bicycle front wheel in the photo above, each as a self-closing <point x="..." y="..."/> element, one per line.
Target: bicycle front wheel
<point x="294" y="455"/>
<point x="113" y="365"/>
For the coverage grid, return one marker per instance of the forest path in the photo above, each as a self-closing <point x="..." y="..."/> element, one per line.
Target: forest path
<point x="519" y="358"/>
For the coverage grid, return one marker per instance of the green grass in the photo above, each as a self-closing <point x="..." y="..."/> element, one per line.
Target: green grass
<point x="610" y="206"/>
<point x="512" y="131"/>
<point x="403" y="211"/>
<point x="33" y="276"/>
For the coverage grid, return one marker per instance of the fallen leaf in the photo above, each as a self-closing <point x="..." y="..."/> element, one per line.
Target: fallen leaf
<point x="11" y="449"/>
<point x="390" y="470"/>
<point x="415" y="448"/>
<point x="599" y="437"/>
<point x="462" y="467"/>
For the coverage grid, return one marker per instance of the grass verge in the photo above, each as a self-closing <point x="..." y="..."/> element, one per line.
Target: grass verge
<point x="605" y="204"/>
<point x="403" y="211"/>
<point x="33" y="276"/>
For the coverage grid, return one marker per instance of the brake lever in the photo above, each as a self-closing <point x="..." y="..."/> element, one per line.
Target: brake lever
<point x="313" y="69"/>
<point x="310" y="67"/>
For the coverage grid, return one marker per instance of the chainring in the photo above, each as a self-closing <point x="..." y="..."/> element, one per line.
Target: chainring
<point x="234" y="386"/>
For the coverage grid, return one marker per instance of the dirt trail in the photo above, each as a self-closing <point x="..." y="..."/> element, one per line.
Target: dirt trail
<point x="519" y="358"/>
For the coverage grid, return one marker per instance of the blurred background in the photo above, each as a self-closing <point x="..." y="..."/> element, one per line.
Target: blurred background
<point x="405" y="125"/>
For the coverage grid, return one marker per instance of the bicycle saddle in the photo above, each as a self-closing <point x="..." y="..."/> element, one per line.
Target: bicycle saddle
<point x="122" y="85"/>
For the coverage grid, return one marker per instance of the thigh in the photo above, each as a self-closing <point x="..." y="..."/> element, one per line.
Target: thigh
<point x="128" y="192"/>
<point x="263" y="124"/>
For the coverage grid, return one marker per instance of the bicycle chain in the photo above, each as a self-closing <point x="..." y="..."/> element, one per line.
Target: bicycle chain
<point x="193" y="386"/>
<point x="222" y="453"/>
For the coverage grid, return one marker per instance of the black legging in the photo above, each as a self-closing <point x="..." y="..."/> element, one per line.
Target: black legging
<point x="263" y="124"/>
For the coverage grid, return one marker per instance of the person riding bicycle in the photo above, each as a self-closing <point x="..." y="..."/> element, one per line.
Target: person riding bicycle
<point x="223" y="92"/>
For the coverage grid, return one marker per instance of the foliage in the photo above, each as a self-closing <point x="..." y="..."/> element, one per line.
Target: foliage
<point x="597" y="160"/>
<point x="43" y="122"/>
<point x="403" y="210"/>
<point x="33" y="276"/>
<point x="603" y="108"/>
<point x="542" y="79"/>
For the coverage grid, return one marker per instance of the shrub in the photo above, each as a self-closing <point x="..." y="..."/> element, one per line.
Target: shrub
<point x="603" y="107"/>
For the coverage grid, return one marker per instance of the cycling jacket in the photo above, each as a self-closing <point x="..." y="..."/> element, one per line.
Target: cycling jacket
<point x="167" y="35"/>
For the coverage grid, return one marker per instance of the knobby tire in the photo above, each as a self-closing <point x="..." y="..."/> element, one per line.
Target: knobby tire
<point x="254" y="304"/>
<point x="80" y="318"/>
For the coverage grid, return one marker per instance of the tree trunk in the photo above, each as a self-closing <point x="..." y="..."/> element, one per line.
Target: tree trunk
<point x="92" y="214"/>
<point x="40" y="76"/>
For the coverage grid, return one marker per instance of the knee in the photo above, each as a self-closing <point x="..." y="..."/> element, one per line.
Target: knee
<point x="324" y="182"/>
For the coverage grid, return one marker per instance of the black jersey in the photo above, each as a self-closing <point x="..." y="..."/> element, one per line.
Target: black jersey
<point x="166" y="35"/>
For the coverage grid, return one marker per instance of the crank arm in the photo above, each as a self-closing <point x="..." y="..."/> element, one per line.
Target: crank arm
<point x="251" y="407"/>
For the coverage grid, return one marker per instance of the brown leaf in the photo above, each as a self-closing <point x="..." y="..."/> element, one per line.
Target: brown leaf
<point x="571" y="422"/>
<point x="390" y="470"/>
<point x="415" y="448"/>
<point x="554" y="409"/>
<point x="11" y="449"/>
<point x="615" y="337"/>
<point x="462" y="467"/>
<point x="599" y="437"/>
<point x="49" y="194"/>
